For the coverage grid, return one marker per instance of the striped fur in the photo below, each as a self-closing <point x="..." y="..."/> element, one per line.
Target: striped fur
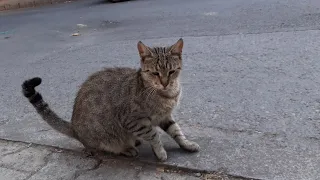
<point x="175" y="132"/>
<point x="117" y="108"/>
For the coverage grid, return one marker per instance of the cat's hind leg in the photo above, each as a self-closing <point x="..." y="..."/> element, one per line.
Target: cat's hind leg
<point x="130" y="152"/>
<point x="137" y="143"/>
<point x="124" y="146"/>
<point x="130" y="149"/>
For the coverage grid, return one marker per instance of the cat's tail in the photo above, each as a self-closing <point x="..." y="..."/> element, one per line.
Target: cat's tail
<point x="35" y="98"/>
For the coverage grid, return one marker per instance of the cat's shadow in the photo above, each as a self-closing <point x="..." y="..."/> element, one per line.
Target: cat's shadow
<point x="145" y="153"/>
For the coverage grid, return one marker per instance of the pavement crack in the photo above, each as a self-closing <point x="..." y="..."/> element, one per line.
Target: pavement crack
<point x="16" y="151"/>
<point x="311" y="138"/>
<point x="232" y="130"/>
<point x="46" y="161"/>
<point x="44" y="130"/>
<point x="82" y="171"/>
<point x="11" y="168"/>
<point x="4" y="122"/>
<point x="167" y="168"/>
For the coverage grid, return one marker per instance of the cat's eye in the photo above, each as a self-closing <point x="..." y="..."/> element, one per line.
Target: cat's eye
<point x="171" y="72"/>
<point x="156" y="73"/>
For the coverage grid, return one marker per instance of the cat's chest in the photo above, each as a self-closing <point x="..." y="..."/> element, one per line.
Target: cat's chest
<point x="164" y="106"/>
<point x="158" y="116"/>
<point x="162" y="111"/>
<point x="156" y="119"/>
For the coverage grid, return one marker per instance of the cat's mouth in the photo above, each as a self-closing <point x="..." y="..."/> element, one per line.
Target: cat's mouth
<point x="168" y="93"/>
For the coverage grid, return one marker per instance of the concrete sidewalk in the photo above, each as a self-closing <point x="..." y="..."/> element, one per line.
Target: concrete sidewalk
<point x="23" y="161"/>
<point x="17" y="4"/>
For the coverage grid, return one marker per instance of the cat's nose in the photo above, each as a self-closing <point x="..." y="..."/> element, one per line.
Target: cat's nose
<point x="164" y="82"/>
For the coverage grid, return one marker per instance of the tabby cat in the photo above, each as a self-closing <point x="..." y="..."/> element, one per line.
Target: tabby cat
<point x="116" y="108"/>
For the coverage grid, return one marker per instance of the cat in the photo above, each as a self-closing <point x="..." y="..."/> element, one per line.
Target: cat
<point x="117" y="108"/>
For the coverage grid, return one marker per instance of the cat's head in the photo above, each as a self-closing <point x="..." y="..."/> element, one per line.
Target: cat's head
<point x="161" y="67"/>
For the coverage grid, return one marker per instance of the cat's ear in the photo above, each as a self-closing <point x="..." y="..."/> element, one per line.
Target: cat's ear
<point x="143" y="50"/>
<point x="177" y="47"/>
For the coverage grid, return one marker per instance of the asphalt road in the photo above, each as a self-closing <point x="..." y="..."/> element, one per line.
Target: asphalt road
<point x="251" y="75"/>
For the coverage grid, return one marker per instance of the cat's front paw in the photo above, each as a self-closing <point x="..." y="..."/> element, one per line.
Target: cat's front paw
<point x="190" y="146"/>
<point x="161" y="154"/>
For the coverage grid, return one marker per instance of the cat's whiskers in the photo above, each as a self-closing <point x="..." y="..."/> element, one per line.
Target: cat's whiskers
<point x="145" y="91"/>
<point x="151" y="93"/>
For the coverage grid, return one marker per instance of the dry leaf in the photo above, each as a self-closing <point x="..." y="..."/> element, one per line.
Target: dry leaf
<point x="160" y="169"/>
<point x="58" y="150"/>
<point x="76" y="34"/>
<point x="215" y="176"/>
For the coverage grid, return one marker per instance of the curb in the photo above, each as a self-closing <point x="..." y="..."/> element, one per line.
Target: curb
<point x="161" y="166"/>
<point x="18" y="4"/>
